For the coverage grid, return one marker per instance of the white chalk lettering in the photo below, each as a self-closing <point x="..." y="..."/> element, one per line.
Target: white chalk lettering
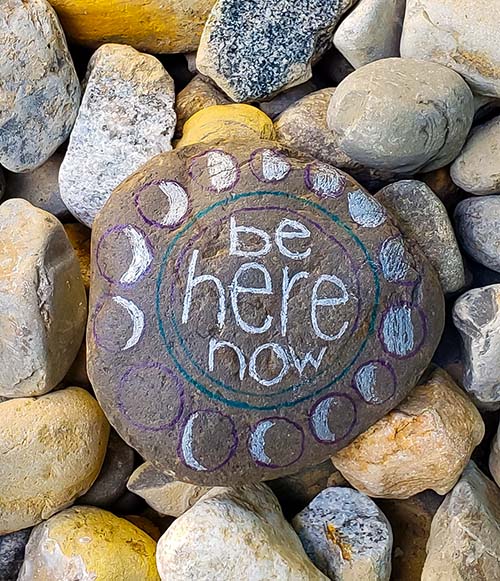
<point x="300" y="364"/>
<point x="236" y="289"/>
<point x="287" y="287"/>
<point x="235" y="248"/>
<point x="280" y="353"/>
<point x="328" y="302"/>
<point x="215" y="345"/>
<point x="298" y="231"/>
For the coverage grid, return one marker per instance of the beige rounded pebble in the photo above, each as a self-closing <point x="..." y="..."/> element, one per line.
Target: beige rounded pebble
<point x="79" y="236"/>
<point x="425" y="442"/>
<point x="52" y="449"/>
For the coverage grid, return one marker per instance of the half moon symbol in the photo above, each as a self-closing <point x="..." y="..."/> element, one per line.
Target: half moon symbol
<point x="177" y="200"/>
<point x="257" y="442"/>
<point x="187" y="445"/>
<point x="319" y="420"/>
<point x="141" y="256"/>
<point x="137" y="318"/>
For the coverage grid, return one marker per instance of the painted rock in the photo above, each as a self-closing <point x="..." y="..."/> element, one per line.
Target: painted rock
<point x="40" y="91"/>
<point x="255" y="49"/>
<point x="252" y="312"/>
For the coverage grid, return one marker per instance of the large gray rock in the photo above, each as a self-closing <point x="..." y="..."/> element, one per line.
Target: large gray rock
<point x="255" y="49"/>
<point x="476" y="315"/>
<point x="39" y="90"/>
<point x="423" y="218"/>
<point x="477" y="168"/>
<point x="372" y="31"/>
<point x="464" y="544"/>
<point x="127" y="116"/>
<point x="460" y="34"/>
<point x="346" y="536"/>
<point x="402" y="115"/>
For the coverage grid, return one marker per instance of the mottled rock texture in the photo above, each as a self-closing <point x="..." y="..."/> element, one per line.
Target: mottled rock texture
<point x="39" y="89"/>
<point x="346" y="536"/>
<point x="425" y="442"/>
<point x="418" y="123"/>
<point x="126" y="117"/>
<point x="12" y="548"/>
<point x="52" y="449"/>
<point x="79" y="236"/>
<point x="43" y="306"/>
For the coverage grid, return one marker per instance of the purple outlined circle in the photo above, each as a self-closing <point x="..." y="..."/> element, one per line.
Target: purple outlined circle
<point x="319" y="416"/>
<point x="332" y="173"/>
<point x="179" y="189"/>
<point x="155" y="402"/>
<point x="256" y="441"/>
<point x="396" y="331"/>
<point x="388" y="263"/>
<point x="225" y="182"/>
<point x="366" y="378"/>
<point x="185" y="446"/>
<point x="143" y="263"/>
<point x="259" y="169"/>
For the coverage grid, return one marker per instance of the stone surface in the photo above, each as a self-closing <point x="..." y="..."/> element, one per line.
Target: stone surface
<point x="423" y="218"/>
<point x="79" y="236"/>
<point x="476" y="315"/>
<point x="43" y="307"/>
<point x="346" y="536"/>
<point x="372" y="31"/>
<point x="458" y="34"/>
<point x="440" y="182"/>
<point x="52" y="449"/>
<point x="425" y="442"/>
<point x="162" y="492"/>
<point x="283" y="100"/>
<point x="157" y="26"/>
<point x="40" y="187"/>
<point x="419" y="122"/>
<point x="215" y="384"/>
<point x="39" y="92"/>
<point x="262" y="543"/>
<point x="477" y="225"/>
<point x="303" y="127"/>
<point x="12" y="554"/>
<point x="126" y="117"/>
<point x="77" y="373"/>
<point x="464" y="543"/>
<point x="255" y="49"/>
<point x="477" y="169"/>
<point x="494" y="459"/>
<point x="86" y="543"/>
<point x="112" y="480"/>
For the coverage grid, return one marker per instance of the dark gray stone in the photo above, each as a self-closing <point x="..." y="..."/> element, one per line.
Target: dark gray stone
<point x="12" y="547"/>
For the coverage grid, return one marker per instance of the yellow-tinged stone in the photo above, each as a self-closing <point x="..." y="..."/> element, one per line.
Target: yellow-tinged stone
<point x="157" y="26"/>
<point x="51" y="450"/>
<point x="79" y="236"/>
<point x="227" y="122"/>
<point x="89" y="544"/>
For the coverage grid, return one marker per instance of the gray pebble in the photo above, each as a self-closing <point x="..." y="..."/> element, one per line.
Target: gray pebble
<point x="12" y="547"/>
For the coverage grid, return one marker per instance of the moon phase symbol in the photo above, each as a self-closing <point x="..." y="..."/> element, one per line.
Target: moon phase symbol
<point x="257" y="443"/>
<point x="178" y="203"/>
<point x="141" y="256"/>
<point x="284" y="430"/>
<point x="137" y="318"/>
<point x="321" y="414"/>
<point x="187" y="445"/>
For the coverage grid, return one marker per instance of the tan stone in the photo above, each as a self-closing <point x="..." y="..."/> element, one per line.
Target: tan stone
<point x="425" y="442"/>
<point x="51" y="449"/>
<point x="494" y="460"/>
<point x="79" y="236"/>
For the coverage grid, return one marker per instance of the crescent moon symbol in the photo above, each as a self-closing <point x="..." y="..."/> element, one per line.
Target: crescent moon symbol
<point x="141" y="256"/>
<point x="178" y="203"/>
<point x="320" y="420"/>
<point x="257" y="442"/>
<point x="137" y="317"/>
<point x="187" y="445"/>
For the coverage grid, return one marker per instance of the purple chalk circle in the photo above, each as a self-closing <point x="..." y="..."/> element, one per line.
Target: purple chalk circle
<point x="324" y="180"/>
<point x="332" y="418"/>
<point x="208" y="440"/>
<point x="164" y="404"/>
<point x="394" y="260"/>
<point x="402" y="330"/>
<point x="365" y="210"/>
<point x="162" y="204"/>
<point x="215" y="171"/>
<point x="140" y="251"/>
<point x="266" y="439"/>
<point x="269" y="165"/>
<point x="375" y="381"/>
<point x="118" y="323"/>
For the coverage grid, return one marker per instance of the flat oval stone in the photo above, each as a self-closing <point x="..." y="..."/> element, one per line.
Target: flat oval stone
<point x="252" y="312"/>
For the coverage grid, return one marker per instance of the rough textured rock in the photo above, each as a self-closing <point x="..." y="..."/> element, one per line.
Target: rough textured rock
<point x="346" y="536"/>
<point x="86" y="543"/>
<point x="12" y="554"/>
<point x="263" y="544"/>
<point x="52" y="449"/>
<point x="162" y="492"/>
<point x="464" y="541"/>
<point x="255" y="49"/>
<point x="423" y="218"/>
<point x="303" y="127"/>
<point x="440" y="182"/>
<point x="494" y="459"/>
<point x="40" y="187"/>
<point x="126" y="117"/>
<point x="458" y="34"/>
<point x="477" y="224"/>
<point x="420" y="122"/>
<point x="79" y="236"/>
<point x="477" y="169"/>
<point x="157" y="26"/>
<point x="39" y="92"/>
<point x="372" y="31"/>
<point x="476" y="315"/>
<point x="43" y="307"/>
<point x="222" y="386"/>
<point x="425" y="442"/>
<point x="112" y="480"/>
